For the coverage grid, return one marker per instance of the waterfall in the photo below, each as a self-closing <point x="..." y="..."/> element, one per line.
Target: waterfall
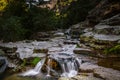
<point x="68" y="62"/>
<point x="36" y="70"/>
<point x="69" y="68"/>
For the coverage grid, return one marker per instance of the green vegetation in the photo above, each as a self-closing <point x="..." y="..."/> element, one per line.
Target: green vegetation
<point x="3" y="4"/>
<point x="74" y="11"/>
<point x="113" y="50"/>
<point x="18" y="22"/>
<point x="35" y="61"/>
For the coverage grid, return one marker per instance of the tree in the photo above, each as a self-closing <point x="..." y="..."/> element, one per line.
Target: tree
<point x="11" y="29"/>
<point x="3" y="4"/>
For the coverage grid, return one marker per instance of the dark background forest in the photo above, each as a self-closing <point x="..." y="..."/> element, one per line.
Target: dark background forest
<point x="18" y="21"/>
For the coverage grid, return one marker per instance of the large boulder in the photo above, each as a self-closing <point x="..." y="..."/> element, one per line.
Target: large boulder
<point x="107" y="73"/>
<point x="103" y="35"/>
<point x="104" y="10"/>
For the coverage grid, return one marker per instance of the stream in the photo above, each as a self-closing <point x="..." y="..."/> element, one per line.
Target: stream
<point x="58" y="63"/>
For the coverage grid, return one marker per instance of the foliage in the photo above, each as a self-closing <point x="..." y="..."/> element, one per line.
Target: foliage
<point x="43" y="19"/>
<point x="35" y="61"/>
<point x="18" y="22"/>
<point x="113" y="50"/>
<point x="15" y="8"/>
<point x="3" y="4"/>
<point x="75" y="12"/>
<point x="11" y="29"/>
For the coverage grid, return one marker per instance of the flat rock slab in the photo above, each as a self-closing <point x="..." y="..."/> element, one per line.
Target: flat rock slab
<point x="107" y="73"/>
<point x="71" y="42"/>
<point x="82" y="50"/>
<point x="88" y="67"/>
<point x="107" y="37"/>
<point x="80" y="77"/>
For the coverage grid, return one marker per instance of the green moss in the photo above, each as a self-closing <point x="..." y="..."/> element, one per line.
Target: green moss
<point x="113" y="50"/>
<point x="35" y="61"/>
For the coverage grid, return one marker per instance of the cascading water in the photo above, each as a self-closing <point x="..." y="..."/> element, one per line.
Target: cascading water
<point x="48" y="67"/>
<point x="36" y="70"/>
<point x="68" y="63"/>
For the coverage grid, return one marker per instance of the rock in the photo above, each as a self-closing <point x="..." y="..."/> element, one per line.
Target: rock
<point x="110" y="62"/>
<point x="107" y="29"/>
<point x="82" y="50"/>
<point x="63" y="78"/>
<point x="101" y="36"/>
<point x="115" y="20"/>
<point x="71" y="42"/>
<point x="41" y="36"/>
<point x="76" y="30"/>
<point x="107" y="73"/>
<point x="24" y="52"/>
<point x="40" y="51"/>
<point x="11" y="65"/>
<point x="87" y="67"/>
<point x="2" y="53"/>
<point x="104" y="10"/>
<point x="80" y="77"/>
<point x="58" y="34"/>
<point x="3" y="64"/>
<point x="16" y="77"/>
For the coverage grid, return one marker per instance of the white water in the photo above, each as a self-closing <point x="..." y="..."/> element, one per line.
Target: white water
<point x="48" y="68"/>
<point x="72" y="73"/>
<point x="36" y="70"/>
<point x="69" y="69"/>
<point x="69" y="64"/>
<point x="68" y="49"/>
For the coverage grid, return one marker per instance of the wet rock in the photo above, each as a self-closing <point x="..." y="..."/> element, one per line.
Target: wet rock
<point x="16" y="77"/>
<point x="24" y="52"/>
<point x="41" y="36"/>
<point x="82" y="50"/>
<point x="3" y="64"/>
<point x="87" y="67"/>
<point x="63" y="78"/>
<point x="2" y="53"/>
<point x="71" y="42"/>
<point x="80" y="77"/>
<point x="12" y="65"/>
<point x="107" y="73"/>
<point x="40" y="51"/>
<point x="58" y="34"/>
<point x="9" y="49"/>
<point x="76" y="30"/>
